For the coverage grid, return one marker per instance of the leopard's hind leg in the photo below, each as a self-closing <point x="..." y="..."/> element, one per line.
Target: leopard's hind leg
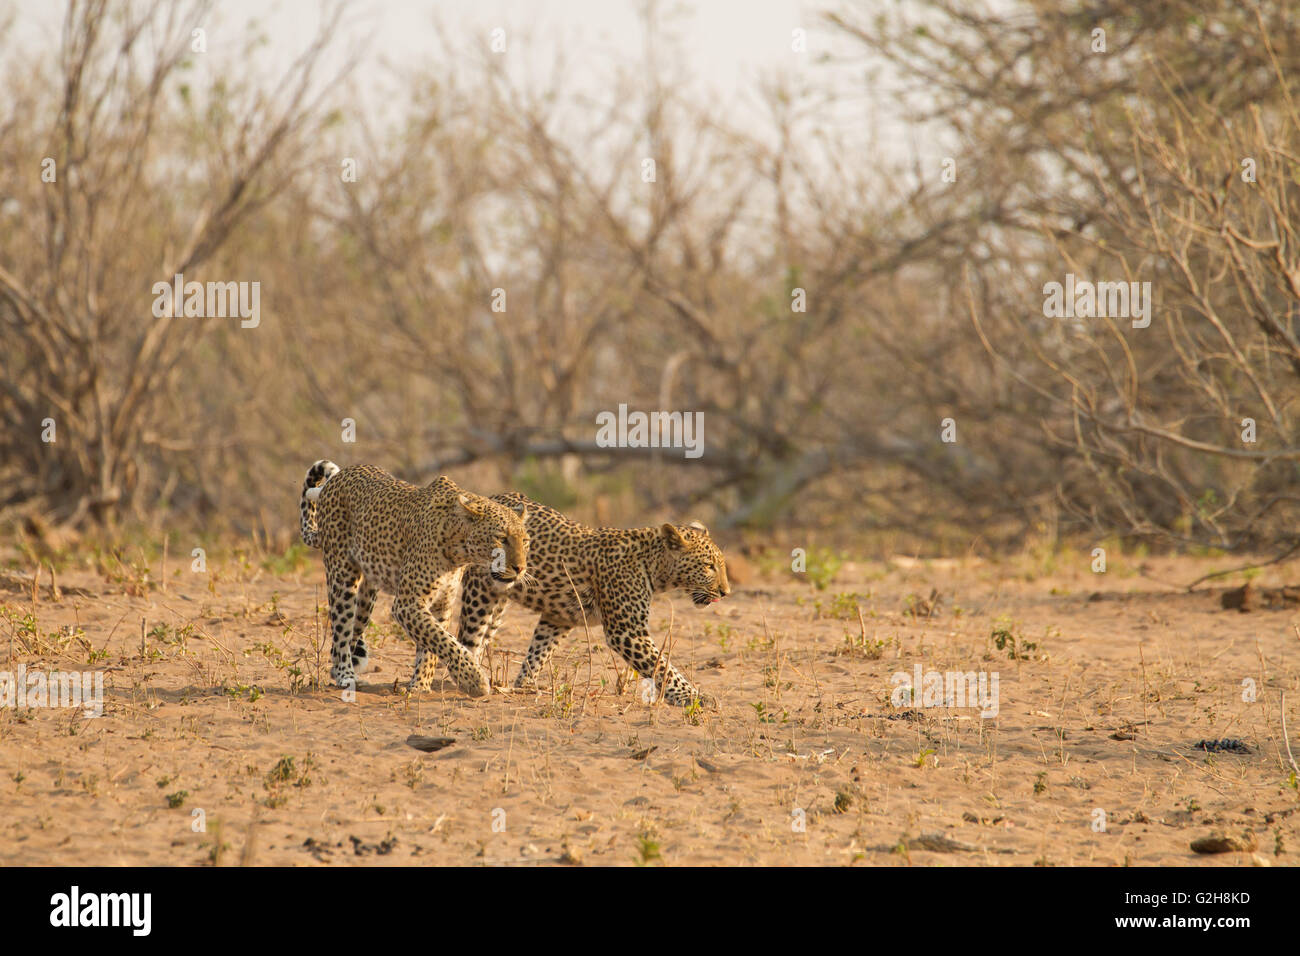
<point x="366" y="595"/>
<point x="545" y="638"/>
<point x="343" y="579"/>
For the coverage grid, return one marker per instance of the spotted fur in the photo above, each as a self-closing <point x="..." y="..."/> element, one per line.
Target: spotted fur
<point x="382" y="534"/>
<point x="579" y="575"/>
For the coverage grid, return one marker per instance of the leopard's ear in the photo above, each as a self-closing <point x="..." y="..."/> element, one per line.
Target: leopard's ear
<point x="471" y="508"/>
<point x="520" y="509"/>
<point x="676" y="541"/>
<point x="698" y="526"/>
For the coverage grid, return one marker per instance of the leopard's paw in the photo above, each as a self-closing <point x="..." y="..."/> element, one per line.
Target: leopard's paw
<point x="344" y="676"/>
<point x="475" y="683"/>
<point x="417" y="686"/>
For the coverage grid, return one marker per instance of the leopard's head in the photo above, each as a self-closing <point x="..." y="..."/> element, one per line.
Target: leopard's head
<point x="695" y="563"/>
<point x="495" y="537"/>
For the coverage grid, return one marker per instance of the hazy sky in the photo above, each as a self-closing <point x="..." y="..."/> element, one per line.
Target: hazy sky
<point x="724" y="47"/>
<point x="726" y="42"/>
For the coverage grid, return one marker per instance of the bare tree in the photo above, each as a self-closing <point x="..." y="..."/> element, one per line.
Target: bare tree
<point x="129" y="176"/>
<point x="1132" y="142"/>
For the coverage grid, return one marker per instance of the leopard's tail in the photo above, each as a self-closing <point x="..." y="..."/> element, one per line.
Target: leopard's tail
<point x="317" y="474"/>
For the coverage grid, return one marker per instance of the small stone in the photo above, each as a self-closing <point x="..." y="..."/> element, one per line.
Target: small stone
<point x="571" y="856"/>
<point x="1221" y="841"/>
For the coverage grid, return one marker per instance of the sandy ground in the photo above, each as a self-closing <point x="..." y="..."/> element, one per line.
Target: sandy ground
<point x="218" y="746"/>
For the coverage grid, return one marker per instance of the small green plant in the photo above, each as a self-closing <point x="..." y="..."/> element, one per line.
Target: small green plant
<point x="694" y="713"/>
<point x="647" y="851"/>
<point x="308" y="765"/>
<point x="294" y="559"/>
<point x="25" y="628"/>
<point x="859" y="645"/>
<point x="177" y="799"/>
<point x="282" y="772"/>
<point x="172" y="636"/>
<point x="724" y="636"/>
<point x="217" y="847"/>
<point x="286" y="771"/>
<point x="240" y="691"/>
<point x="822" y="566"/>
<point x="844" y="606"/>
<point x="414" y="773"/>
<point x="134" y="578"/>
<point x="766" y="717"/>
<point x="1005" y="638"/>
<point x="562" y="700"/>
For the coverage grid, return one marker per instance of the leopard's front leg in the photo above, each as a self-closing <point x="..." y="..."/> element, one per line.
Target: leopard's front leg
<point x="482" y="605"/>
<point x="417" y="610"/>
<point x="440" y="606"/>
<point x="640" y="652"/>
<point x="627" y="632"/>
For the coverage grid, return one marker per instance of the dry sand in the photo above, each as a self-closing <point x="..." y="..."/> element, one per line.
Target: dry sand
<point x="1116" y="677"/>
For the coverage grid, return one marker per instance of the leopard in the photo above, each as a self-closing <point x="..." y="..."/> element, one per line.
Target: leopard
<point x="580" y="576"/>
<point x="379" y="533"/>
